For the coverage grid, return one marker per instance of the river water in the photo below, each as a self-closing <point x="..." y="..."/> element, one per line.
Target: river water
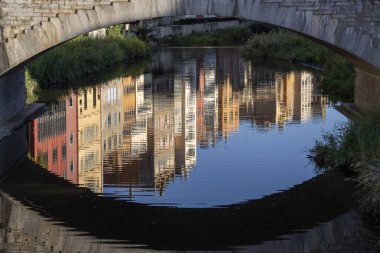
<point x="196" y="150"/>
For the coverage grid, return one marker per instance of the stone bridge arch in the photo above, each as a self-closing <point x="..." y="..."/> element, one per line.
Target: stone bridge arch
<point x="30" y="27"/>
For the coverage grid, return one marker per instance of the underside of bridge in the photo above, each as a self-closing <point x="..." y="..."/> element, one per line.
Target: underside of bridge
<point x="29" y="27"/>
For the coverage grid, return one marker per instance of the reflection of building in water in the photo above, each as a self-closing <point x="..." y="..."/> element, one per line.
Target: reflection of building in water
<point x="207" y="103"/>
<point x="185" y="117"/>
<point x="53" y="139"/>
<point x="161" y="141"/>
<point x="282" y="97"/>
<point x="48" y="145"/>
<point x="306" y="102"/>
<point x="246" y="96"/>
<point x="72" y="137"/>
<point x="228" y="109"/>
<point x="128" y="164"/>
<point x="142" y="131"/>
<point x="89" y="140"/>
<point x="265" y="97"/>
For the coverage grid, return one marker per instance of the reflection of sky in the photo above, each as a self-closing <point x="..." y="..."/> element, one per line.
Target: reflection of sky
<point x="258" y="159"/>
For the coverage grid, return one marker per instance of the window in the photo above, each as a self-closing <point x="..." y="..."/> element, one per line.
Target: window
<point x="71" y="166"/>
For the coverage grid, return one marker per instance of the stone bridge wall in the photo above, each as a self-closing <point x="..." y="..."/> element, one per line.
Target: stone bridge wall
<point x="29" y="27"/>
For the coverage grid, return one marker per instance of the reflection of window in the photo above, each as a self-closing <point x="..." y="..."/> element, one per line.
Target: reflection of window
<point x="71" y="138"/>
<point x="85" y="99"/>
<point x="55" y="155"/>
<point x="70" y="101"/>
<point x="94" y="97"/>
<point x="109" y="120"/>
<point x="64" y="150"/>
<point x="111" y="95"/>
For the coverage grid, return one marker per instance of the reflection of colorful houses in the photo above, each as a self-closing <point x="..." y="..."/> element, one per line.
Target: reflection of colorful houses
<point x="129" y="166"/>
<point x="89" y="142"/>
<point x="141" y="132"/>
<point x="48" y="139"/>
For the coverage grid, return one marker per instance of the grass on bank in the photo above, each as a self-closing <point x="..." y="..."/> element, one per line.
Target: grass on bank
<point x="354" y="147"/>
<point x="84" y="56"/>
<point x="339" y="74"/>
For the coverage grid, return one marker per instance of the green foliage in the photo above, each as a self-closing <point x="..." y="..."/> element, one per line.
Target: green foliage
<point x="115" y="31"/>
<point x="339" y="76"/>
<point x="228" y="36"/>
<point x="339" y="79"/>
<point x="84" y="56"/>
<point x="32" y="89"/>
<point x="285" y="45"/>
<point x="355" y="147"/>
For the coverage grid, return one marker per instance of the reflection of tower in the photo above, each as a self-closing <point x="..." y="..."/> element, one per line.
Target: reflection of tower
<point x="303" y="87"/>
<point x="210" y="102"/>
<point x="201" y="131"/>
<point x="161" y="131"/>
<point x="128" y="116"/>
<point x="89" y="140"/>
<point x="228" y="80"/>
<point x="139" y="131"/>
<point x="228" y="109"/>
<point x="307" y="82"/>
<point x="246" y="95"/>
<point x="185" y="118"/>
<point x="290" y="79"/>
<point x="265" y="97"/>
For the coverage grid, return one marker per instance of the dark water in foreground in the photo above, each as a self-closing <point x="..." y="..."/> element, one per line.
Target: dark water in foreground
<point x="202" y="151"/>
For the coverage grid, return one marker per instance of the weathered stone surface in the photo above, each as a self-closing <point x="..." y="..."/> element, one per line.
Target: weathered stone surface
<point x="29" y="27"/>
<point x="367" y="90"/>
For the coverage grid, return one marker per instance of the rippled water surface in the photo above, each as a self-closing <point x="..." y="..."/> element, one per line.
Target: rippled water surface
<point x="200" y="128"/>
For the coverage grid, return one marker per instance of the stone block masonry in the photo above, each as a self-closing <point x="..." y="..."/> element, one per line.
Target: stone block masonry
<point x="29" y="27"/>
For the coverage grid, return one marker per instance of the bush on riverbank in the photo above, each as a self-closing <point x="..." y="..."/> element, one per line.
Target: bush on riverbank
<point x="354" y="147"/>
<point x="339" y="76"/>
<point x="84" y="56"/>
<point x="228" y="36"/>
<point x="32" y="89"/>
<point x="284" y="45"/>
